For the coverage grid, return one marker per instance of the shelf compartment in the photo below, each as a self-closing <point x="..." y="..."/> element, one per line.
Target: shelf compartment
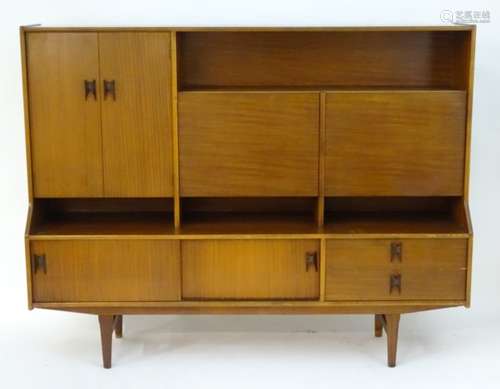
<point x="396" y="215"/>
<point x="248" y="216"/>
<point x="102" y="217"/>
<point x="210" y="59"/>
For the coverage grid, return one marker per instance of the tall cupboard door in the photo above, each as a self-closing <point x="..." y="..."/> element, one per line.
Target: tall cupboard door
<point x="136" y="114"/>
<point x="65" y="128"/>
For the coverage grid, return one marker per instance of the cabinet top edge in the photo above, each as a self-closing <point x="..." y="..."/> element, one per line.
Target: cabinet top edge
<point x="40" y="28"/>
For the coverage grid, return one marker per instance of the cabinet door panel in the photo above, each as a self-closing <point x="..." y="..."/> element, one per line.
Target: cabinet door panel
<point x="249" y="144"/>
<point x="249" y="270"/>
<point x="136" y="126"/>
<point x="395" y="143"/>
<point x="65" y="127"/>
<point x="107" y="270"/>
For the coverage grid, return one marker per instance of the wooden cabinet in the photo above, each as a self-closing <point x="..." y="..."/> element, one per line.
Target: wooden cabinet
<point x="100" y="114"/>
<point x="266" y="144"/>
<point x="250" y="270"/>
<point x="111" y="270"/>
<point x="407" y="269"/>
<point x="65" y="128"/>
<point x="237" y="171"/>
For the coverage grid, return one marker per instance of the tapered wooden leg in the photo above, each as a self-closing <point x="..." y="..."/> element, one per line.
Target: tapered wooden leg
<point x="379" y="326"/>
<point x="391" y="324"/>
<point x="119" y="326"/>
<point x="106" y="322"/>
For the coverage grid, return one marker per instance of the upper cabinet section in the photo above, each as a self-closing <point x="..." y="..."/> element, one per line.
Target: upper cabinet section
<point x="323" y="59"/>
<point x="66" y="148"/>
<point x="100" y="114"/>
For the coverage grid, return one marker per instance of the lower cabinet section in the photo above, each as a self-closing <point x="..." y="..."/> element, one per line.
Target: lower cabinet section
<point x="407" y="269"/>
<point x="264" y="269"/>
<point x="105" y="270"/>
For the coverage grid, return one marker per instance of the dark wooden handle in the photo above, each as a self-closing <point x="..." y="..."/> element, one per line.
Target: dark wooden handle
<point x="396" y="252"/>
<point x="395" y="283"/>
<point x="109" y="89"/>
<point x="312" y="260"/>
<point x="90" y="89"/>
<point x="39" y="263"/>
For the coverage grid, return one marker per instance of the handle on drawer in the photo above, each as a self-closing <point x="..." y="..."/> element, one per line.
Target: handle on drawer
<point x="396" y="251"/>
<point x="90" y="89"/>
<point x="109" y="89"/>
<point x="312" y="260"/>
<point x="395" y="283"/>
<point x="39" y="263"/>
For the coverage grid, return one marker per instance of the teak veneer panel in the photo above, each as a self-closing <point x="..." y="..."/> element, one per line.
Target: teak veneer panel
<point x="65" y="128"/>
<point x="359" y="270"/>
<point x="249" y="270"/>
<point x="248" y="144"/>
<point x="107" y="270"/>
<point x="136" y="127"/>
<point x="395" y="143"/>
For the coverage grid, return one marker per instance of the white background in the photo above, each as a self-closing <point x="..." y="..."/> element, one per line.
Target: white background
<point x="447" y="348"/>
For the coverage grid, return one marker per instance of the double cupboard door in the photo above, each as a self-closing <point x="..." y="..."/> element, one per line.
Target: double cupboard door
<point x="100" y="114"/>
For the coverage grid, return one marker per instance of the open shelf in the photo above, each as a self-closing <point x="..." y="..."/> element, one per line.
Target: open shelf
<point x="211" y="60"/>
<point x="102" y="217"/>
<point x="393" y="215"/>
<point x="248" y="216"/>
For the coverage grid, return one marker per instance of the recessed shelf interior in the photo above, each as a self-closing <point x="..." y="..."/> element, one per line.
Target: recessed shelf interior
<point x="226" y="60"/>
<point x="247" y="215"/>
<point x="439" y="215"/>
<point x="111" y="216"/>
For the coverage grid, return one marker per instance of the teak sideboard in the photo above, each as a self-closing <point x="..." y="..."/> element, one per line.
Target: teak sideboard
<point x="248" y="170"/>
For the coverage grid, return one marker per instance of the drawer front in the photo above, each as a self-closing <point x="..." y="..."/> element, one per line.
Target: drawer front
<point x="248" y="144"/>
<point x="424" y="269"/>
<point x="250" y="269"/>
<point x="395" y="143"/>
<point x="106" y="270"/>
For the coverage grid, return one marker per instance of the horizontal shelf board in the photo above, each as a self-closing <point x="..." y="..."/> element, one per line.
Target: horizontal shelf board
<point x="392" y="223"/>
<point x="316" y="88"/>
<point x="41" y="27"/>
<point x="240" y="223"/>
<point x="106" y="223"/>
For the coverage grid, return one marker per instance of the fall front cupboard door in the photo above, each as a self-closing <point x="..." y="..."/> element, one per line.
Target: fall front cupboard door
<point x="136" y="128"/>
<point x="65" y="128"/>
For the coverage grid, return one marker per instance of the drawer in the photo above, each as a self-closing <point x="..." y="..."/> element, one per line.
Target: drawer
<point x="425" y="269"/>
<point x="265" y="269"/>
<point x="106" y="270"/>
<point x="395" y="143"/>
<point x="257" y="144"/>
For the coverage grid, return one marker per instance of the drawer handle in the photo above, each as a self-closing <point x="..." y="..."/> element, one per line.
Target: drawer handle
<point x="395" y="283"/>
<point x="109" y="89"/>
<point x="39" y="262"/>
<point x="312" y="260"/>
<point x="90" y="89"/>
<point x="396" y="251"/>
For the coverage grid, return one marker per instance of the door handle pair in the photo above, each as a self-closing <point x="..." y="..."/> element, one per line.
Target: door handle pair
<point x="109" y="87"/>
